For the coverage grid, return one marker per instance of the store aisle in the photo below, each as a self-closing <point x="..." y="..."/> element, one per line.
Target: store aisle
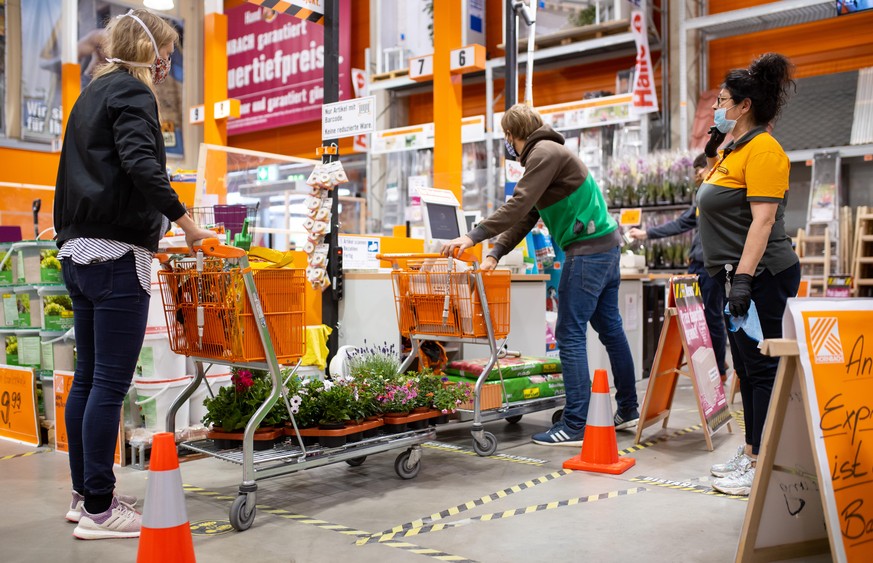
<point x="518" y="506"/>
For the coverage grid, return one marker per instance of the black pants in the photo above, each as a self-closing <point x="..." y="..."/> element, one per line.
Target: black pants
<point x="757" y="372"/>
<point x="713" y="307"/>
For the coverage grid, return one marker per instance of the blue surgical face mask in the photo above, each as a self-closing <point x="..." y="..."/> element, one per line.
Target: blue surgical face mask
<point x="510" y="150"/>
<point x="722" y="123"/>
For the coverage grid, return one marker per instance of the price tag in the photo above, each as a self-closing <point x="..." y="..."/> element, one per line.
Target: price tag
<point x="631" y="217"/>
<point x="467" y="59"/>
<point x="63" y="381"/>
<point x="18" y="417"/>
<point x="197" y="114"/>
<point x="226" y="108"/>
<point x="421" y="68"/>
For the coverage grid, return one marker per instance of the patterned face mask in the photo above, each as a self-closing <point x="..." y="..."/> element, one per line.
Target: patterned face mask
<point x="510" y="150"/>
<point x="161" y="67"/>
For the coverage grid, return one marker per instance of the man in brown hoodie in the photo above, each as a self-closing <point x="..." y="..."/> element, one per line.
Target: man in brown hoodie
<point x="557" y="187"/>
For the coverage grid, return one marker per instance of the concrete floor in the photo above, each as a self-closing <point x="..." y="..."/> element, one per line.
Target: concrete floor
<point x="320" y="514"/>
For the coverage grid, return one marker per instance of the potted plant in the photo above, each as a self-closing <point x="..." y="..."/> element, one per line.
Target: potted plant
<point x="428" y="384"/>
<point x="448" y="397"/>
<point x="303" y="398"/>
<point x="396" y="400"/>
<point x="232" y="407"/>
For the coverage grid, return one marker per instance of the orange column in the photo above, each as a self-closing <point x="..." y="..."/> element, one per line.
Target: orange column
<point x="215" y="90"/>
<point x="70" y="88"/>
<point x="448" y="97"/>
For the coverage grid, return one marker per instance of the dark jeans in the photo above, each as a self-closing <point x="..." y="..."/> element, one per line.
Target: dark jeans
<point x="757" y="372"/>
<point x="713" y="307"/>
<point x="110" y="310"/>
<point x="588" y="292"/>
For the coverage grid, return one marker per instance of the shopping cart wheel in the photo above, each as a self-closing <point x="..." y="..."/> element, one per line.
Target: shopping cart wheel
<point x="490" y="445"/>
<point x="557" y="416"/>
<point x="403" y="468"/>
<point x="356" y="461"/>
<point x="513" y="419"/>
<point x="241" y="516"/>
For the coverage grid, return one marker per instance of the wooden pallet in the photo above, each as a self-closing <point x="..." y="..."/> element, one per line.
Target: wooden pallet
<point x="815" y="255"/>
<point x="389" y="75"/>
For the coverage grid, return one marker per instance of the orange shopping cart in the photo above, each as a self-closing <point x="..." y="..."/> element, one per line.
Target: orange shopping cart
<point x="452" y="300"/>
<point x="219" y="311"/>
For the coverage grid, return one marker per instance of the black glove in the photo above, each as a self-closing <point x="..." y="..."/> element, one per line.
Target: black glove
<point x="740" y="298"/>
<point x="716" y="138"/>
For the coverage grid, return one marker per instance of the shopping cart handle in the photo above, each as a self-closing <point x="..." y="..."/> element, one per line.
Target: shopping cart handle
<point x="464" y="256"/>
<point x="210" y="247"/>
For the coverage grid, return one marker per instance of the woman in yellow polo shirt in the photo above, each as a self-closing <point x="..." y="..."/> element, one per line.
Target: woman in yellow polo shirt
<point x="742" y="229"/>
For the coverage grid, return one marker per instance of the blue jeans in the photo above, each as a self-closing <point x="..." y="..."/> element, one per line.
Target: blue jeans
<point x="588" y="292"/>
<point x="110" y="311"/>
<point x="713" y="308"/>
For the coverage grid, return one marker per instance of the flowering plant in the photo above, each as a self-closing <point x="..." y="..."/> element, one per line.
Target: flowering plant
<point x="232" y="407"/>
<point x="398" y="397"/>
<point x="303" y="397"/>
<point x="428" y="384"/>
<point x="447" y="398"/>
<point x="335" y="402"/>
<point x="374" y="362"/>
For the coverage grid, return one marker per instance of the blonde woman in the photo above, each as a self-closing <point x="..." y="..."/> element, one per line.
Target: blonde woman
<point x="113" y="202"/>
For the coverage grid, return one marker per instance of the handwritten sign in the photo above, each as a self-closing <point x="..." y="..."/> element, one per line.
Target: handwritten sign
<point x="63" y="382"/>
<point x="18" y="416"/>
<point x="841" y="385"/>
<point x="813" y="490"/>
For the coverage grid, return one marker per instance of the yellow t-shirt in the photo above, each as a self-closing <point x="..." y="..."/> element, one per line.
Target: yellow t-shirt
<point x="759" y="166"/>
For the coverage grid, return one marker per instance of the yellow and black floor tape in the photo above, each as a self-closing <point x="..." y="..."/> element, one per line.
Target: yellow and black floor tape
<point x="324" y="525"/>
<point x="463" y="507"/>
<point x="25" y="454"/>
<point x="684" y="486"/>
<point x="425" y="529"/>
<point x="649" y="443"/>
<point x="452" y="448"/>
<point x="739" y="419"/>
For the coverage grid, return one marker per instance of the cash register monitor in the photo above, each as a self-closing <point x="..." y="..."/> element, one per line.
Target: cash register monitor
<point x="442" y="223"/>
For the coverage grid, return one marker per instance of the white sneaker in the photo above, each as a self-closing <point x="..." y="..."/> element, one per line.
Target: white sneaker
<point x="739" y="482"/>
<point x="725" y="469"/>
<point x="78" y="503"/>
<point x="120" y="521"/>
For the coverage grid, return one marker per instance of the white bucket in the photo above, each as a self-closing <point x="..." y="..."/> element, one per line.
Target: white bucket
<point x="58" y="350"/>
<point x="55" y="308"/>
<point x="156" y="318"/>
<point x="196" y="409"/>
<point x="155" y="396"/>
<point x="47" y="380"/>
<point x="157" y="360"/>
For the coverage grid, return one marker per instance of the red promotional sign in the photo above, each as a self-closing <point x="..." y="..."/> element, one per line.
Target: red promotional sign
<point x="275" y="67"/>
<point x="645" y="100"/>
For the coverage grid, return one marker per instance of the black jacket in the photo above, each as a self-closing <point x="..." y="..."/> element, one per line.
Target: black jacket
<point x="112" y="181"/>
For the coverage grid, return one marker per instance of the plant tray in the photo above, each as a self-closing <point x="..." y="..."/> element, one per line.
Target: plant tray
<point x="263" y="439"/>
<point x="351" y="429"/>
<point x="415" y="417"/>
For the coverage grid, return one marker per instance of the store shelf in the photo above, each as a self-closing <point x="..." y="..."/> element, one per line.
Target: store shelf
<point x="848" y="151"/>
<point x="759" y="18"/>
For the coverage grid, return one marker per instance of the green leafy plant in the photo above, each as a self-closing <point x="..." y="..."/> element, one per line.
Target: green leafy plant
<point x="49" y="260"/>
<point x="374" y="362"/>
<point x="303" y="398"/>
<point x="428" y="385"/>
<point x="335" y="403"/>
<point x="233" y="407"/>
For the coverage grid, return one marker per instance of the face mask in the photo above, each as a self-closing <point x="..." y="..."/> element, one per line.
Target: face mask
<point x="161" y="67"/>
<point x="722" y="123"/>
<point x="510" y="150"/>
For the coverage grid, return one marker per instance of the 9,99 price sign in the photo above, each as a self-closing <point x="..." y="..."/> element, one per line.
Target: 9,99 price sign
<point x="18" y="417"/>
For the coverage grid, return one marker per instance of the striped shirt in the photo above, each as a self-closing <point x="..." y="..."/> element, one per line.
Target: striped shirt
<point x="90" y="250"/>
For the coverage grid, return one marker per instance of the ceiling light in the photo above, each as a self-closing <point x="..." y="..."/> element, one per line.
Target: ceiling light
<point x="159" y="4"/>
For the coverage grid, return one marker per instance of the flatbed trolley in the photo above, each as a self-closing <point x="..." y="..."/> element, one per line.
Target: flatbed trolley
<point x="440" y="298"/>
<point x="219" y="312"/>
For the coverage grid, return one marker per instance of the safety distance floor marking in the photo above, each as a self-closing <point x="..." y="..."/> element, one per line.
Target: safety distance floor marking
<point x="25" y="454"/>
<point x="442" y="446"/>
<point x="501" y="515"/>
<point x="684" y="486"/>
<point x="652" y="442"/>
<point x="463" y="507"/>
<point x="739" y="419"/>
<point x="324" y="525"/>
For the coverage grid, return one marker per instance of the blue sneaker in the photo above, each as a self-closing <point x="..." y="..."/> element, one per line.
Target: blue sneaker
<point x="559" y="435"/>
<point x="625" y="420"/>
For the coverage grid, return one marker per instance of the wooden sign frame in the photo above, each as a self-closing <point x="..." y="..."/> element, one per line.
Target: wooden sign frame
<point x="671" y="361"/>
<point x="812" y="489"/>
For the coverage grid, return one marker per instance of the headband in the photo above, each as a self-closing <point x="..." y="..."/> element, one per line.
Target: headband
<point x="130" y="14"/>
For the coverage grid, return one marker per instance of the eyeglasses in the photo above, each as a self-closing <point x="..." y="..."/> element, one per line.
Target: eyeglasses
<point x="719" y="100"/>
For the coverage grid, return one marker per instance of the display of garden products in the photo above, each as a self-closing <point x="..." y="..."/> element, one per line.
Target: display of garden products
<point x="22" y="348"/>
<point x="57" y="311"/>
<point x="508" y="367"/>
<point x="660" y="178"/>
<point x="49" y="266"/>
<point x="523" y="388"/>
<point x="6" y="266"/>
<point x="17" y="307"/>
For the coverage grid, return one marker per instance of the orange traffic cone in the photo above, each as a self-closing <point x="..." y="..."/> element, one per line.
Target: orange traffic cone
<point x="166" y="533"/>
<point x="599" y="446"/>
